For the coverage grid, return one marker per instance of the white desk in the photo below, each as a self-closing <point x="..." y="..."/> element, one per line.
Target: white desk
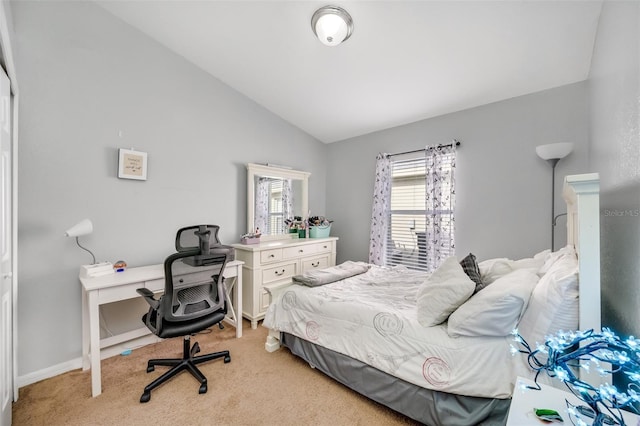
<point x="523" y="403"/>
<point x="122" y="286"/>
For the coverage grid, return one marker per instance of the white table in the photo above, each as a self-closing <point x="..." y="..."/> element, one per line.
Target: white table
<point x="524" y="401"/>
<point x="122" y="286"/>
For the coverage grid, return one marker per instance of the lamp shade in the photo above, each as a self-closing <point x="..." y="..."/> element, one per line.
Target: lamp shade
<point x="554" y="151"/>
<point x="332" y="25"/>
<point x="83" y="227"/>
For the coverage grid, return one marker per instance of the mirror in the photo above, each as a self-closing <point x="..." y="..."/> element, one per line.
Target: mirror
<point x="275" y="194"/>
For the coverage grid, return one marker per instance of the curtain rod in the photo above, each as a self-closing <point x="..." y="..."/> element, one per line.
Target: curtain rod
<point x="457" y="142"/>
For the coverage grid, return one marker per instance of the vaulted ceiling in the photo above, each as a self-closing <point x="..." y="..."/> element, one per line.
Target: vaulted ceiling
<point x="406" y="60"/>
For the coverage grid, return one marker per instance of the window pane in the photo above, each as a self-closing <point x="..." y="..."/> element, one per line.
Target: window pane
<point x="407" y="244"/>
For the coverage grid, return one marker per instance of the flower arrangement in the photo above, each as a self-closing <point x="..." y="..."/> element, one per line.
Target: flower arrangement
<point x="318" y="221"/>
<point x="295" y="224"/>
<point x="562" y="355"/>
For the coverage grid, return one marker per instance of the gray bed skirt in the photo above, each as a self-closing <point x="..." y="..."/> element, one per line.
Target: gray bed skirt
<point x="426" y="406"/>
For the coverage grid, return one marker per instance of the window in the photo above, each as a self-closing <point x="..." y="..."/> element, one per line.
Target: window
<point x="276" y="207"/>
<point x="416" y="221"/>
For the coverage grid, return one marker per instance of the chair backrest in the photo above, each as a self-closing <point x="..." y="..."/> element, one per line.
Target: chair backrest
<point x="197" y="237"/>
<point x="194" y="286"/>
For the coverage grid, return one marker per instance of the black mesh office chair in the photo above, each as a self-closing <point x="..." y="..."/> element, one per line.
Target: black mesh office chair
<point x="193" y="300"/>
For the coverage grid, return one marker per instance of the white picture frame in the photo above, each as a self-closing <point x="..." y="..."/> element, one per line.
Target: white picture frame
<point x="132" y="164"/>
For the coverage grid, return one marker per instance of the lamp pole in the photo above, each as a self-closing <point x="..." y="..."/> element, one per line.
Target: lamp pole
<point x="552" y="153"/>
<point x="553" y="162"/>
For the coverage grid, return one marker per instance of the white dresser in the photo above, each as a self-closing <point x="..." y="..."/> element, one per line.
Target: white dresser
<point x="277" y="261"/>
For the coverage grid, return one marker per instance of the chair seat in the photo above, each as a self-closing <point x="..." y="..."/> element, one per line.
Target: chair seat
<point x="182" y="328"/>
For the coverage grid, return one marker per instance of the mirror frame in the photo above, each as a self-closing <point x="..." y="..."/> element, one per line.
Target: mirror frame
<point x="254" y="170"/>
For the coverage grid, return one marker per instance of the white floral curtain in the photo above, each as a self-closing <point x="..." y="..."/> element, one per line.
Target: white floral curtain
<point x="287" y="200"/>
<point x="262" y="204"/>
<point x="440" y="200"/>
<point x="380" y="211"/>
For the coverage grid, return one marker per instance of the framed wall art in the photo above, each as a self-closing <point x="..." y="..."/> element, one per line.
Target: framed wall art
<point x="132" y="164"/>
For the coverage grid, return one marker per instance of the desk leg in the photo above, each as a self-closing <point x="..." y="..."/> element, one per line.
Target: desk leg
<point x="237" y="296"/>
<point x="85" y="330"/>
<point x="94" y="331"/>
<point x="234" y="283"/>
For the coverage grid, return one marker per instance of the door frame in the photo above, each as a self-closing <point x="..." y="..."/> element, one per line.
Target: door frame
<point x="8" y="63"/>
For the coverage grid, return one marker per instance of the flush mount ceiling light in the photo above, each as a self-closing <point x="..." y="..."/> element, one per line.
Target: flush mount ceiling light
<point x="332" y="25"/>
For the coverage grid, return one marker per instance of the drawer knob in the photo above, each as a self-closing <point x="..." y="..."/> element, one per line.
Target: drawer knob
<point x="279" y="272"/>
<point x="301" y="251"/>
<point x="315" y="265"/>
<point x="272" y="255"/>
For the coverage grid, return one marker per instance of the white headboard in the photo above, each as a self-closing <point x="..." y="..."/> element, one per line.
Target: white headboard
<point x="582" y="194"/>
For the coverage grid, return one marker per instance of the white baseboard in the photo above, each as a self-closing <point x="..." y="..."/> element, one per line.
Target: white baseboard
<point x="48" y="372"/>
<point x="76" y="363"/>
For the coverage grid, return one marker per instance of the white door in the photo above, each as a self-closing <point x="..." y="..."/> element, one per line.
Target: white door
<point x="6" y="272"/>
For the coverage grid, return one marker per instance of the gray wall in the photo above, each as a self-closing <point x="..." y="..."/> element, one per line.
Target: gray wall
<point x="84" y="77"/>
<point x="614" y="87"/>
<point x="503" y="189"/>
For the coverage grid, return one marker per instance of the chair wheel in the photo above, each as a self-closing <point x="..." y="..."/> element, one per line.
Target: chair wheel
<point x="227" y="359"/>
<point x="203" y="388"/>
<point x="146" y="396"/>
<point x="150" y="368"/>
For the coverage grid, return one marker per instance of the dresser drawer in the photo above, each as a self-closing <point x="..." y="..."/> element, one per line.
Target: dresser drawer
<point x="279" y="272"/>
<point x="299" y="251"/>
<point x="319" y="262"/>
<point x="325" y="247"/>
<point x="270" y="256"/>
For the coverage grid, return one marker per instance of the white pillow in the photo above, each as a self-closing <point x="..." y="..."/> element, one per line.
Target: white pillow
<point x="551" y="258"/>
<point x="447" y="288"/>
<point x="542" y="256"/>
<point x="496" y="309"/>
<point x="554" y="302"/>
<point x="492" y="269"/>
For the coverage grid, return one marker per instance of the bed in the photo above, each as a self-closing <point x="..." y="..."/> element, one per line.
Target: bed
<point x="436" y="347"/>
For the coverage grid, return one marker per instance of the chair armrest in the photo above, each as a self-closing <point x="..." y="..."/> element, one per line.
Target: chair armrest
<point x="148" y="296"/>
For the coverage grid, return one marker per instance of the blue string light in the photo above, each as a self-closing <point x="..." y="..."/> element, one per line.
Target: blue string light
<point x="563" y="354"/>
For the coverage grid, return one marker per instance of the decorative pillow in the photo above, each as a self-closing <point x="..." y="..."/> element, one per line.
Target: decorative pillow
<point x="470" y="267"/>
<point x="554" y="302"/>
<point x="447" y="288"/>
<point x="494" y="311"/>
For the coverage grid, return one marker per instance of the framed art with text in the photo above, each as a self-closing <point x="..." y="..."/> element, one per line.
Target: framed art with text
<point x="132" y="164"/>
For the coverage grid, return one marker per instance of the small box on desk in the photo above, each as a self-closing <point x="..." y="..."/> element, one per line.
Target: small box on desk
<point x="250" y="240"/>
<point x="96" y="270"/>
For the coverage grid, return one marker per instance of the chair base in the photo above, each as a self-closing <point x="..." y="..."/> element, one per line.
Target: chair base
<point x="187" y="362"/>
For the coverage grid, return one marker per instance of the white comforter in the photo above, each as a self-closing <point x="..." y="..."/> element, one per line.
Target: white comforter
<point x="372" y="317"/>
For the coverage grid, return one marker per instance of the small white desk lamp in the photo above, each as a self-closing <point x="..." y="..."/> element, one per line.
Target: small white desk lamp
<point x="553" y="153"/>
<point x="85" y="227"/>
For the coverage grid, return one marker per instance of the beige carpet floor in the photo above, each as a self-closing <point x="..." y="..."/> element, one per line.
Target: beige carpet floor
<point x="255" y="388"/>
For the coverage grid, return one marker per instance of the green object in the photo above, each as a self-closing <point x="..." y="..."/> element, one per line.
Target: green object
<point x="548" y="415"/>
<point x="319" y="231"/>
<point x="301" y="233"/>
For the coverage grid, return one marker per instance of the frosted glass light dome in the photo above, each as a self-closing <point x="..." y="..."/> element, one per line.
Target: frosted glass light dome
<point x="554" y="151"/>
<point x="332" y="25"/>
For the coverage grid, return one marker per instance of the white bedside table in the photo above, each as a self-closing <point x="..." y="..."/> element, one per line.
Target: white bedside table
<point x="523" y="403"/>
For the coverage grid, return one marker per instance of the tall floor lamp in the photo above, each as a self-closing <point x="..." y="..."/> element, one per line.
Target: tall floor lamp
<point x="553" y="153"/>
